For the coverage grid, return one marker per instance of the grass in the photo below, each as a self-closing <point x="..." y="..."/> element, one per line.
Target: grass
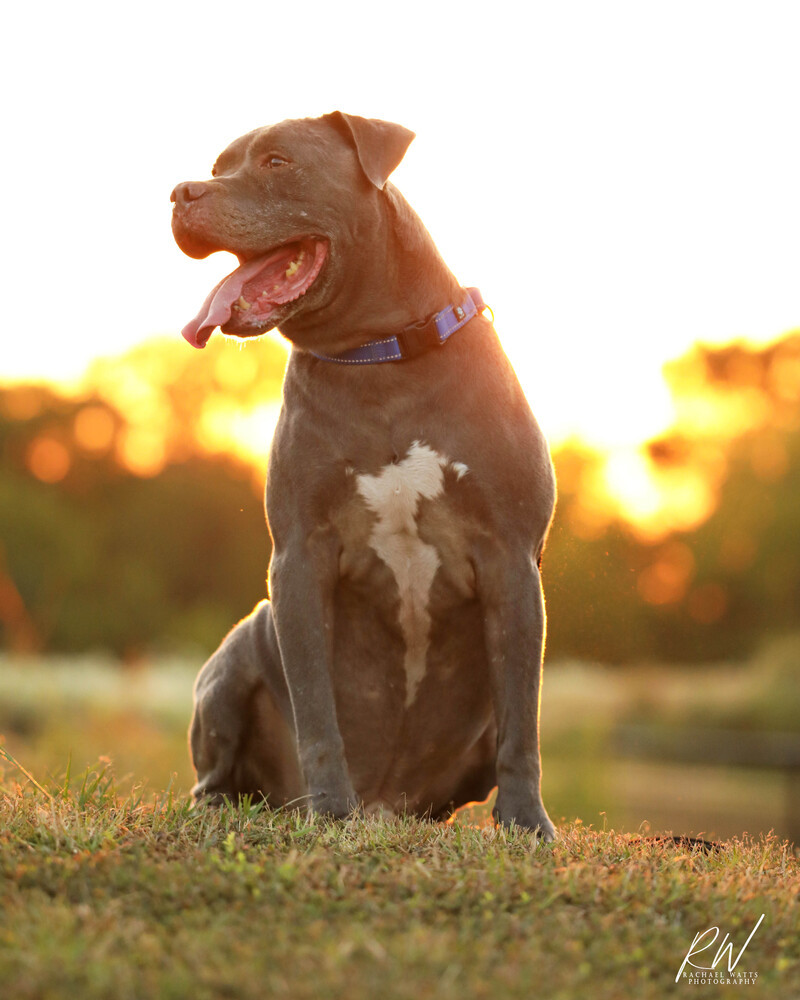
<point x="127" y="896"/>
<point x="113" y="888"/>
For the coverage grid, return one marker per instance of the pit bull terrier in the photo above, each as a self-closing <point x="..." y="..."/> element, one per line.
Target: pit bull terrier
<point x="397" y="666"/>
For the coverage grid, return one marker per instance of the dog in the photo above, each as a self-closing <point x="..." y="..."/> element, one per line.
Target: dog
<point x="396" y="666"/>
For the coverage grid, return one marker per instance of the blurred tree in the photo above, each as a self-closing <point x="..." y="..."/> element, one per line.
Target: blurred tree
<point x="123" y="535"/>
<point x="715" y="591"/>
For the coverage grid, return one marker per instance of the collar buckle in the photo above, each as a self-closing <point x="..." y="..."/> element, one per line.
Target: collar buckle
<point x="417" y="338"/>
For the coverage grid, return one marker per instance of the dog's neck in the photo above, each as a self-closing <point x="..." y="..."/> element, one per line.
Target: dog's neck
<point x="402" y="280"/>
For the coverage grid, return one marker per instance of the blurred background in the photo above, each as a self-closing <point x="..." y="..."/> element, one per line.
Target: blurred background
<point x="621" y="184"/>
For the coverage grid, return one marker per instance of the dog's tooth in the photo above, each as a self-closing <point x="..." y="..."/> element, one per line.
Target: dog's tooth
<point x="243" y="303"/>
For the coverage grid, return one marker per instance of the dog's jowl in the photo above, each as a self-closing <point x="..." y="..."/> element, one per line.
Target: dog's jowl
<point x="397" y="665"/>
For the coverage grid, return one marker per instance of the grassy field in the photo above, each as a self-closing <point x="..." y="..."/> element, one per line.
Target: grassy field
<point x="113" y="888"/>
<point x="113" y="897"/>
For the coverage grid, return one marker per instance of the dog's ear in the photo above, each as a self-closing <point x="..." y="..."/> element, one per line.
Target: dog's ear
<point x="380" y="145"/>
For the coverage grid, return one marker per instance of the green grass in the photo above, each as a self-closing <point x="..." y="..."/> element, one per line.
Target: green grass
<point x="134" y="896"/>
<point x="112" y="888"/>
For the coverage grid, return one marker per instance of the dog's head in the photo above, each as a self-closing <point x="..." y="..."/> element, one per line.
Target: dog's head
<point x="287" y="199"/>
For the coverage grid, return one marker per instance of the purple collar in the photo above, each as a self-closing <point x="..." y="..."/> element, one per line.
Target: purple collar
<point x="415" y="339"/>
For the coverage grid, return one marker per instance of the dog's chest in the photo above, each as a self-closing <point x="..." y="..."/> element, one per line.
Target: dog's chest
<point x="405" y="546"/>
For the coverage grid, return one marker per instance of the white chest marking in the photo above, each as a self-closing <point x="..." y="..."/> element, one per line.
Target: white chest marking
<point x="394" y="495"/>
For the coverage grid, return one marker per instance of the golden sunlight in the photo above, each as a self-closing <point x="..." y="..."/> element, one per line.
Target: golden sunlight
<point x="142" y="450"/>
<point x="246" y="433"/>
<point x="656" y="501"/>
<point x="571" y="403"/>
<point x="175" y="402"/>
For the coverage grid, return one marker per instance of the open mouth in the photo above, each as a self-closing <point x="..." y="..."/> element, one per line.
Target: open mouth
<point x="245" y="302"/>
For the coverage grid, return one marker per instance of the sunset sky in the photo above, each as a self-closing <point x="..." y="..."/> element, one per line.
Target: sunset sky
<point x="619" y="179"/>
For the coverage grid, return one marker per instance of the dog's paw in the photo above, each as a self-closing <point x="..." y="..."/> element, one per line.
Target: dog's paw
<point x="213" y="796"/>
<point x="334" y="805"/>
<point x="529" y="816"/>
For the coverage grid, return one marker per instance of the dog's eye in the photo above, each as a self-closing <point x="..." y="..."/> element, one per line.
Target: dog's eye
<point x="274" y="161"/>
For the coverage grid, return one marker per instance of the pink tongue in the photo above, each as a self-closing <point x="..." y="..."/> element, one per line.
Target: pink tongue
<point x="216" y="310"/>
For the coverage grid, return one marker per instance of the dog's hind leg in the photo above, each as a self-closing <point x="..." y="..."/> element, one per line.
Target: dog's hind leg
<point x="241" y="737"/>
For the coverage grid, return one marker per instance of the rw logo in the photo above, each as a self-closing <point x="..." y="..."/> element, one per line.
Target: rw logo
<point x="697" y="946"/>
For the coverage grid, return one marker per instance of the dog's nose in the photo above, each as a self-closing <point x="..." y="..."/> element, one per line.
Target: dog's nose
<point x="188" y="191"/>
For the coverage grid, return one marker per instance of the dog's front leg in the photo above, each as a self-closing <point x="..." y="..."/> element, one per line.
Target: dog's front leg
<point x="514" y="623"/>
<point x="302" y="577"/>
